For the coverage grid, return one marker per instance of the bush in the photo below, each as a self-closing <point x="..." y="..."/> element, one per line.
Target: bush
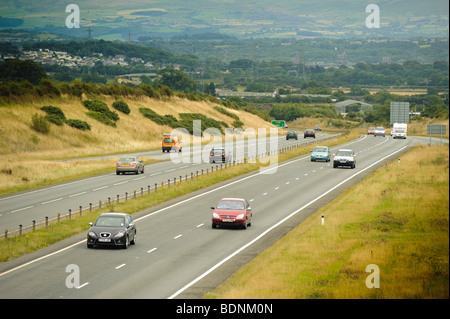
<point x="40" y="124"/>
<point x="53" y="110"/>
<point x="100" y="111"/>
<point x="101" y="117"/>
<point x="54" y="114"/>
<point x="55" y="119"/>
<point x="79" y="124"/>
<point x="121" y="106"/>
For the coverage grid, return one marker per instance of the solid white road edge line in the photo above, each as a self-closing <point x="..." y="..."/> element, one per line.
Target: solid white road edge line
<point x="274" y="226"/>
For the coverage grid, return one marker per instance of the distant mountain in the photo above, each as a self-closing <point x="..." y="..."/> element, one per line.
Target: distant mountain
<point x="117" y="19"/>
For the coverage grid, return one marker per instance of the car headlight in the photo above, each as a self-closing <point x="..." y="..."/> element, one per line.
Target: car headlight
<point x="92" y="234"/>
<point x="215" y="215"/>
<point x="240" y="216"/>
<point x="119" y="234"/>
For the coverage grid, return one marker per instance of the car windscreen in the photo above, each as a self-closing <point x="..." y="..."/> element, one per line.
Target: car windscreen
<point x="320" y="149"/>
<point x="230" y="204"/>
<point x="110" y="221"/>
<point x="168" y="140"/>
<point x="344" y="153"/>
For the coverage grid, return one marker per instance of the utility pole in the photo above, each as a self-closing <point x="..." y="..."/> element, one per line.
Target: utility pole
<point x="89" y="32"/>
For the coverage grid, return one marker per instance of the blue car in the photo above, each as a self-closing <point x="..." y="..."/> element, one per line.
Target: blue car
<point x="320" y="153"/>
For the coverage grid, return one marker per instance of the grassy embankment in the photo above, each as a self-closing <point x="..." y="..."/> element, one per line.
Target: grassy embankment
<point x="396" y="218"/>
<point x="30" y="159"/>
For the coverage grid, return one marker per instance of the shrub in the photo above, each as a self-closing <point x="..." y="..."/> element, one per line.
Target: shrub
<point x="40" y="124"/>
<point x="55" y="119"/>
<point x="121" y="106"/>
<point x="79" y="124"/>
<point x="101" y="117"/>
<point x="54" y="114"/>
<point x="100" y="111"/>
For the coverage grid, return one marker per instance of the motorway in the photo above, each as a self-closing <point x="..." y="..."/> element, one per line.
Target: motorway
<point x="22" y="208"/>
<point x="178" y="254"/>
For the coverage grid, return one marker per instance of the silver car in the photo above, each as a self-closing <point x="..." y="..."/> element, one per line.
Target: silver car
<point x="344" y="157"/>
<point x="129" y="164"/>
<point x="379" y="131"/>
<point x="220" y="155"/>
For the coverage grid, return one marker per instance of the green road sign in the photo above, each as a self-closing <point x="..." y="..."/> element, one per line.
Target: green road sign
<point x="279" y="123"/>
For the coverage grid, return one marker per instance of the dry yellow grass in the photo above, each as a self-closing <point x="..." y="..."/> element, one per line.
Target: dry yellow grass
<point x="396" y="218"/>
<point x="28" y="157"/>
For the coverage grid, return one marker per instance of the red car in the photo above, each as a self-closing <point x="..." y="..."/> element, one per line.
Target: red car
<point x="232" y="212"/>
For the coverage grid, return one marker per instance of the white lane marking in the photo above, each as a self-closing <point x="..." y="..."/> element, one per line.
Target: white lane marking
<point x="97" y="189"/>
<point x="176" y="237"/>
<point x="200" y="225"/>
<point x="264" y="194"/>
<point x="170" y="170"/>
<point x="120" y="183"/>
<point x="277" y="187"/>
<point x="151" y="250"/>
<point x="81" y="286"/>
<point x="138" y="178"/>
<point x="18" y="210"/>
<point x="155" y="174"/>
<point x="51" y="201"/>
<point x="274" y="226"/>
<point x="120" y="266"/>
<point x="82" y="193"/>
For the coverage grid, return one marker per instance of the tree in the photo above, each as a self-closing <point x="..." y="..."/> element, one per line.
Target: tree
<point x="17" y="70"/>
<point x="177" y="80"/>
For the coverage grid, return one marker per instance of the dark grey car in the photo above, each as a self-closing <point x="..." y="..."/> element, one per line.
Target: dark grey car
<point x="112" y="229"/>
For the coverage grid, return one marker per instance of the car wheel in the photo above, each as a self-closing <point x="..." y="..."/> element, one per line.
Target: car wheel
<point x="127" y="242"/>
<point x="133" y="242"/>
<point x="90" y="246"/>
<point x="334" y="165"/>
<point x="117" y="173"/>
<point x="213" y="225"/>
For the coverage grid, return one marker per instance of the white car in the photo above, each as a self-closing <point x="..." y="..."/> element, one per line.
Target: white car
<point x="344" y="157"/>
<point x="399" y="133"/>
<point x="380" y="131"/>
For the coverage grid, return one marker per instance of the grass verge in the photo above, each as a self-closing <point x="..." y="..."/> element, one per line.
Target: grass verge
<point x="13" y="247"/>
<point x="396" y="218"/>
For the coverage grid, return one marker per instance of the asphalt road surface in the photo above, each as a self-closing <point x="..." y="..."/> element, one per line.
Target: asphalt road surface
<point x="22" y="208"/>
<point x="178" y="254"/>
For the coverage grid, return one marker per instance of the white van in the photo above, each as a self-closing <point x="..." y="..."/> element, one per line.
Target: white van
<point x="399" y="126"/>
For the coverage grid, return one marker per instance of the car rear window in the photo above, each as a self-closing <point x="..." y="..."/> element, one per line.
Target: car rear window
<point x="127" y="159"/>
<point x="168" y="140"/>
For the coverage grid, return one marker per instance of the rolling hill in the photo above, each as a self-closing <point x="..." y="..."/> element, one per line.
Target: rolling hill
<point x="254" y="18"/>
